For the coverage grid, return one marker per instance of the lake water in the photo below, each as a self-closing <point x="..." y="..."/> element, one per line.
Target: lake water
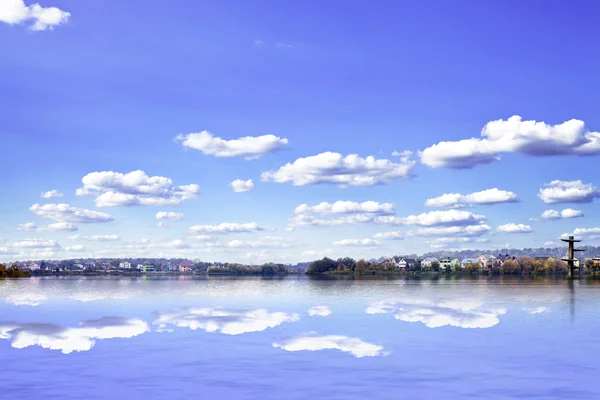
<point x="298" y="338"/>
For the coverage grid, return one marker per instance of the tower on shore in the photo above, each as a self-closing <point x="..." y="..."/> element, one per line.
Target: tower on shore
<point x="571" y="254"/>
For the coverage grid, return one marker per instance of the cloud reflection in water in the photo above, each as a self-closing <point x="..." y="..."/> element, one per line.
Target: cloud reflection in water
<point x="462" y="314"/>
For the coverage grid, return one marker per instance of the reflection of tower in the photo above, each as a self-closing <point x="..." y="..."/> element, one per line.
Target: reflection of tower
<point x="571" y="254"/>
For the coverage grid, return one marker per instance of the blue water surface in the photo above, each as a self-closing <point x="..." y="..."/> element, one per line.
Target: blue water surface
<point x="299" y="338"/>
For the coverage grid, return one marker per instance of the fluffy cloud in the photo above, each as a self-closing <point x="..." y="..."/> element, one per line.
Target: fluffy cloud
<point x="334" y="168"/>
<point x="96" y="238"/>
<point x="168" y="215"/>
<point x="590" y="233"/>
<point x="536" y="310"/>
<point x="242" y="186"/>
<point x="55" y="227"/>
<point x="41" y="18"/>
<point x="344" y="212"/>
<point x="484" y="197"/>
<point x="321" y="311"/>
<point x="311" y="342"/>
<point x="264" y="242"/>
<point x="34" y="244"/>
<point x="566" y="213"/>
<point x="249" y="146"/>
<point x="227" y="227"/>
<point x="25" y="299"/>
<point x="112" y="189"/>
<point x="568" y="192"/>
<point x="463" y="314"/>
<point x="441" y="218"/>
<point x="357" y="242"/>
<point x="514" y="228"/>
<point x="51" y="194"/>
<point x="513" y="136"/>
<point x="66" y="213"/>
<point x="390" y="235"/>
<point x="69" y="339"/>
<point x="347" y="207"/>
<point x="229" y="322"/>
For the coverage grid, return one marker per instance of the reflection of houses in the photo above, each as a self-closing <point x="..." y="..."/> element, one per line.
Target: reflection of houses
<point x="466" y="261"/>
<point x="445" y="263"/>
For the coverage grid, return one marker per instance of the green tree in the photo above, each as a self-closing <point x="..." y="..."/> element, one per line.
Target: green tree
<point x="321" y="266"/>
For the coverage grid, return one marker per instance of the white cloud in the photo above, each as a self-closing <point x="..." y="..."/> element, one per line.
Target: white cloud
<point x="168" y="215"/>
<point x="462" y="314"/>
<point x="42" y="18"/>
<point x="310" y="342"/>
<point x="248" y="146"/>
<point x="484" y="197"/>
<point x="347" y="207"/>
<point x="26" y="299"/>
<point x="229" y="322"/>
<point x="259" y="43"/>
<point x="321" y="311"/>
<point x="69" y="339"/>
<point x="162" y="224"/>
<point x="357" y="242"/>
<point x="264" y="242"/>
<point x="51" y="194"/>
<point x="514" y="228"/>
<point x="390" y="235"/>
<point x="112" y="189"/>
<point x="55" y="227"/>
<point x="441" y="218"/>
<point x="227" y="227"/>
<point x="334" y="168"/>
<point x="536" y="310"/>
<point x="66" y="213"/>
<point x="566" y="213"/>
<point x="34" y="244"/>
<point x="590" y="233"/>
<point x="568" y="192"/>
<point x="344" y="212"/>
<point x="513" y="136"/>
<point x="242" y="186"/>
<point x="551" y="244"/>
<point x="97" y="238"/>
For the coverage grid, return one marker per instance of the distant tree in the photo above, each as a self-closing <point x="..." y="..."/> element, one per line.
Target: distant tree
<point x="321" y="266"/>
<point x="435" y="266"/>
<point x="361" y="266"/>
<point x="527" y="265"/>
<point x="510" y="267"/>
<point x="472" y="268"/>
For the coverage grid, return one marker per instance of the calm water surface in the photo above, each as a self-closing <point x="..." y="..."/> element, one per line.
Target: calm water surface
<point x="297" y="338"/>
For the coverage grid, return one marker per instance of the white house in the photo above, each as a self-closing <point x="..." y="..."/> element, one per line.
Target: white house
<point x="428" y="262"/>
<point x="445" y="263"/>
<point x="125" y="265"/>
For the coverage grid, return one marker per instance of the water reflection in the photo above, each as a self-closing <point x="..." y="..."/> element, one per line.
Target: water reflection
<point x="313" y="342"/>
<point x="69" y="339"/>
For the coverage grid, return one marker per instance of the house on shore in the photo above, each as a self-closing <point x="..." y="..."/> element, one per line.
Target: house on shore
<point x="466" y="261"/>
<point x="445" y="263"/>
<point x="428" y="262"/>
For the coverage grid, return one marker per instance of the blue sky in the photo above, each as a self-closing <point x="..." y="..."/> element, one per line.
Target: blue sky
<point x="108" y="87"/>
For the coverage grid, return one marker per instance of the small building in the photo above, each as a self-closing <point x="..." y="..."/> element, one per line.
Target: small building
<point x="428" y="262"/>
<point x="445" y="263"/>
<point x="544" y="259"/>
<point x="596" y="262"/>
<point x="125" y="265"/>
<point x="455" y="263"/>
<point x="148" y="268"/>
<point x="466" y="261"/>
<point x="412" y="263"/>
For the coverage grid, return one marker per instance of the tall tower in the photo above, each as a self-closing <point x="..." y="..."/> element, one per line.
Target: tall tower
<point x="571" y="254"/>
